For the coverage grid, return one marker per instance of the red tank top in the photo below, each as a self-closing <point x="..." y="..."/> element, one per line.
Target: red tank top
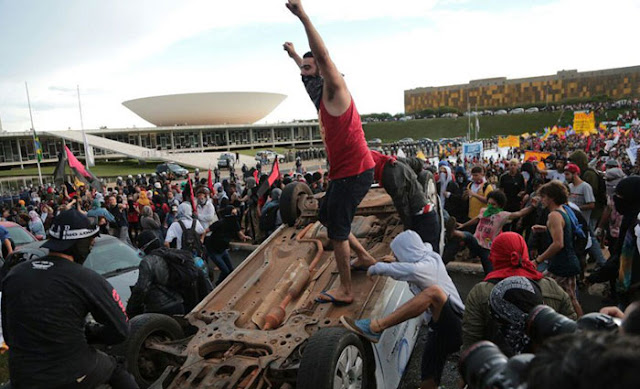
<point x="344" y="140"/>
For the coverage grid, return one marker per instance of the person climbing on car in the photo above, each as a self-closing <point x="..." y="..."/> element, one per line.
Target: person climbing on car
<point x="45" y="303"/>
<point x="401" y="183"/>
<point x="435" y="295"/>
<point x="168" y="281"/>
<point x="351" y="164"/>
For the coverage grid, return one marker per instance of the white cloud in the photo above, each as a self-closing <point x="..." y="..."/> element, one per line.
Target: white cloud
<point x="109" y="48"/>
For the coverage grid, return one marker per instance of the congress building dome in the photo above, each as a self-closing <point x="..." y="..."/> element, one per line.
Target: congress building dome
<point x="205" y="108"/>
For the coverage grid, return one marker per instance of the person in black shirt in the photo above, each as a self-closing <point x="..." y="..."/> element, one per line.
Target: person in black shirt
<point x="513" y="185"/>
<point x="45" y="303"/>
<point x="217" y="243"/>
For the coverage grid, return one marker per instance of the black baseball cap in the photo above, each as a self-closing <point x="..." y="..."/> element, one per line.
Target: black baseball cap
<point x="67" y="228"/>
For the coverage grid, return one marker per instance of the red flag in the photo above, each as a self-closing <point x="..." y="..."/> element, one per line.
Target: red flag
<point x="80" y="172"/>
<point x="193" y="199"/>
<point x="273" y="176"/>
<point x="210" y="183"/>
<point x="255" y="175"/>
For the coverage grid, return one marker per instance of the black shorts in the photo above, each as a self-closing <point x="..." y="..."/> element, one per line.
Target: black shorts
<point x="444" y="338"/>
<point x="339" y="204"/>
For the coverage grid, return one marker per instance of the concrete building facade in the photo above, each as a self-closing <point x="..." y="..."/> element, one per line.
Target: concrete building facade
<point x="501" y="92"/>
<point x="16" y="148"/>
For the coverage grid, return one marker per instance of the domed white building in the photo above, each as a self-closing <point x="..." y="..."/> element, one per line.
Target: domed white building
<point x="212" y="108"/>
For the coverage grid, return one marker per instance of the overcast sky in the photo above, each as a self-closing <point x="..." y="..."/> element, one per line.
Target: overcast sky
<point x="118" y="50"/>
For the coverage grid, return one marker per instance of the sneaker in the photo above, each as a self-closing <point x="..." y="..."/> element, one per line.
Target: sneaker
<point x="361" y="327"/>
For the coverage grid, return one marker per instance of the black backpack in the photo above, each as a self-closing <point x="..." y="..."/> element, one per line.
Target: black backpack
<point x="580" y="241"/>
<point x="268" y="219"/>
<point x="601" y="193"/>
<point x="190" y="239"/>
<point x="183" y="275"/>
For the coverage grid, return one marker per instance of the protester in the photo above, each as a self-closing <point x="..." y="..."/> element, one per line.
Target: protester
<point x="564" y="265"/>
<point x="510" y="258"/>
<point x="184" y="221"/>
<point x="351" y="164"/>
<point x="168" y="280"/>
<point x="45" y="304"/>
<point x="435" y="295"/>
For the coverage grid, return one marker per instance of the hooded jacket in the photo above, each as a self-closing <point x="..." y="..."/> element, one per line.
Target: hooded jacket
<point x="419" y="265"/>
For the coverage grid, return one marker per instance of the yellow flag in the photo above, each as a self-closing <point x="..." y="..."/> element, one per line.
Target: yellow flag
<point x="420" y="155"/>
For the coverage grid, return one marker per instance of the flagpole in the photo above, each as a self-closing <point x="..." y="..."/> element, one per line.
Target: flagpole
<point x="33" y="133"/>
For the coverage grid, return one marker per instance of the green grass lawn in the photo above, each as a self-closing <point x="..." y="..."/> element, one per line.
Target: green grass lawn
<point x="449" y="127"/>
<point x="102" y="169"/>
<point x="489" y="125"/>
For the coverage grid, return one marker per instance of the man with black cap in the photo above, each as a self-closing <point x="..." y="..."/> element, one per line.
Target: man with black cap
<point x="45" y="304"/>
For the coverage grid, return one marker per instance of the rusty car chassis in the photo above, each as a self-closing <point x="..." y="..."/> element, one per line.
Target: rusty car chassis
<point x="252" y="330"/>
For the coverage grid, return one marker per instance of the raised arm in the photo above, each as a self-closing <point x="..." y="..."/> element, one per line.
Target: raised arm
<point x="335" y="96"/>
<point x="288" y="47"/>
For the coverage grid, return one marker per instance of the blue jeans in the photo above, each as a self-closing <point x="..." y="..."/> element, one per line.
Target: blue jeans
<point x="223" y="261"/>
<point x="478" y="251"/>
<point x="595" y="251"/>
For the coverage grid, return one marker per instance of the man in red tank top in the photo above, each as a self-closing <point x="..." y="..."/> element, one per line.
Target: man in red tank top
<point x="350" y="162"/>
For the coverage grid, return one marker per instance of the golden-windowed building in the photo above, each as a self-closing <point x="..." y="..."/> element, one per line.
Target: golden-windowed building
<point x="500" y="92"/>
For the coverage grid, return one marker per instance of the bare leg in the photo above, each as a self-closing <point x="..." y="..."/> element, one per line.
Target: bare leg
<point x="432" y="297"/>
<point x="364" y="258"/>
<point x="342" y="254"/>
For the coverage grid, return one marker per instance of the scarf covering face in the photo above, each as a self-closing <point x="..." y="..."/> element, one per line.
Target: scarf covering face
<point x="313" y="85"/>
<point x="510" y="302"/>
<point x="477" y="186"/>
<point x="444" y="181"/>
<point x="510" y="257"/>
<point x="491" y="210"/>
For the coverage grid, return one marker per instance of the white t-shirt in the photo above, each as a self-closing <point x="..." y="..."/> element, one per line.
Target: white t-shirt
<point x="175" y="231"/>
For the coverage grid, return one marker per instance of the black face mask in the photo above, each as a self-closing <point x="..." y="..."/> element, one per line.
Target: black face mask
<point x="80" y="251"/>
<point x="625" y="207"/>
<point x="460" y="179"/>
<point x="313" y="85"/>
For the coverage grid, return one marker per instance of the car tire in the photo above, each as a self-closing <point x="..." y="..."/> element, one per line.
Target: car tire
<point x="289" y="200"/>
<point x="336" y="358"/>
<point x="145" y="365"/>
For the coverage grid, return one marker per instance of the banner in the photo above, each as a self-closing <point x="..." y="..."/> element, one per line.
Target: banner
<point x="584" y="123"/>
<point x="509" y="141"/>
<point x="538" y="156"/>
<point x="472" y="150"/>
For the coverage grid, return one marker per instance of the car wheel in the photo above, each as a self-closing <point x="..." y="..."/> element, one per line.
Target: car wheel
<point x="144" y="364"/>
<point x="289" y="200"/>
<point x="335" y="358"/>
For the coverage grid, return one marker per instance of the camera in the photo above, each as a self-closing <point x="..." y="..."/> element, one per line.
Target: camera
<point x="484" y="365"/>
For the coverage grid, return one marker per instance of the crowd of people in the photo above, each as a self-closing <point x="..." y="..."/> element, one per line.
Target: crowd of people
<point x="541" y="229"/>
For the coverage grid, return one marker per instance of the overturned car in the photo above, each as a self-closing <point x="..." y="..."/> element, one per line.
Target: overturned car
<point x="261" y="327"/>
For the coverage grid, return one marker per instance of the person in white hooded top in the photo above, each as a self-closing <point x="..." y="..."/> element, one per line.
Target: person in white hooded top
<point x="434" y="294"/>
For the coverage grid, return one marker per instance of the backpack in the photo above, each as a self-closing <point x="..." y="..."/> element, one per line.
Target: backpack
<point x="484" y="186"/>
<point x="190" y="239"/>
<point x="601" y="193"/>
<point x="580" y="240"/>
<point x="268" y="219"/>
<point x="183" y="275"/>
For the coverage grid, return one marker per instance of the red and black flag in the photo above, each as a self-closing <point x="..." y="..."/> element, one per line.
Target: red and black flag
<point x="193" y="199"/>
<point x="273" y="176"/>
<point x="80" y="172"/>
<point x="210" y="183"/>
